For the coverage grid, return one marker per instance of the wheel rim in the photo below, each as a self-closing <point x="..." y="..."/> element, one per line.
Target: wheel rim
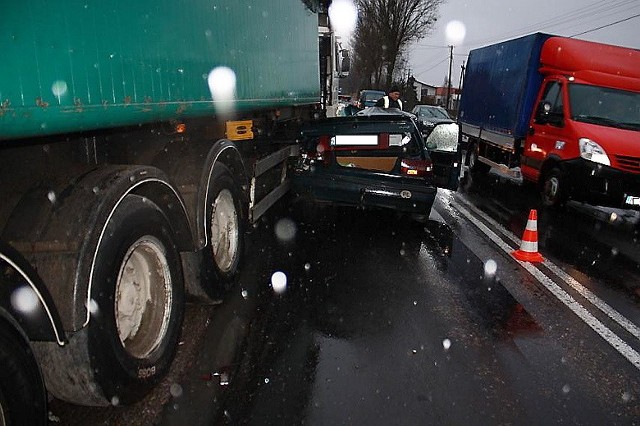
<point x="473" y="156"/>
<point x="143" y="297"/>
<point x="224" y="231"/>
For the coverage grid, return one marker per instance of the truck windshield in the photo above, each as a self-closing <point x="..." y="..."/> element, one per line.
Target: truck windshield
<point x="605" y="106"/>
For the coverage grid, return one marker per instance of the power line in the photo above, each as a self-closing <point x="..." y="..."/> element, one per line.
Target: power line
<point x="588" y="12"/>
<point x="607" y="25"/>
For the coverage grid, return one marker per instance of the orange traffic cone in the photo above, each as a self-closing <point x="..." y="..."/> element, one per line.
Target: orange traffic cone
<point x="528" y="251"/>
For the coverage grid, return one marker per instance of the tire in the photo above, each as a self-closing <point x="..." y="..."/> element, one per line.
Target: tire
<point x="137" y="302"/>
<point x="225" y="232"/>
<point x="475" y="166"/>
<point x="23" y="398"/>
<point x="553" y="191"/>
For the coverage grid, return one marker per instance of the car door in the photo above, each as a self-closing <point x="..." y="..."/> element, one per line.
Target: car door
<point x="443" y="147"/>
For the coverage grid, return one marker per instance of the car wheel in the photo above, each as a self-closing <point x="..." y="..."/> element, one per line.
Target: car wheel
<point x="137" y="301"/>
<point x="23" y="398"/>
<point x="225" y="229"/>
<point x="553" y="189"/>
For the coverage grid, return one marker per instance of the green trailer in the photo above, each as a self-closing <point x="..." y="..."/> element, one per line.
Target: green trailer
<point x="81" y="65"/>
<point x="138" y="139"/>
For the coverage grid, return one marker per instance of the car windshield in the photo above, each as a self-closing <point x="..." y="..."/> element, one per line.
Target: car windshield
<point x="373" y="96"/>
<point x="605" y="106"/>
<point x="432" y="113"/>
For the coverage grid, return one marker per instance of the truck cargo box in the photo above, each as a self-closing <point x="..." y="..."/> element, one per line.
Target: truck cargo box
<point x="501" y="84"/>
<point x="79" y="65"/>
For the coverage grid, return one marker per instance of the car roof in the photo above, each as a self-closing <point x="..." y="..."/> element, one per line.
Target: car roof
<point x="428" y="106"/>
<point x="371" y="114"/>
<point x="385" y="112"/>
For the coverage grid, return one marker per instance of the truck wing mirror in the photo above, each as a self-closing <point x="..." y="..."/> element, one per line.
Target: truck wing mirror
<point x="546" y="115"/>
<point x="345" y="63"/>
<point x="544" y="108"/>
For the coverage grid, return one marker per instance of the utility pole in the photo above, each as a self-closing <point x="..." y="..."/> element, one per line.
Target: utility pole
<point x="462" y="68"/>
<point x="449" y="82"/>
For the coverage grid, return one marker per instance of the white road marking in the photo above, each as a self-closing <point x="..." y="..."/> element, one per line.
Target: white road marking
<point x="572" y="282"/>
<point x="609" y="336"/>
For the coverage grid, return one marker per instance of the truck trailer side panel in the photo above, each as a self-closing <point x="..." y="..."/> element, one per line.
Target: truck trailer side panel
<point x="80" y="65"/>
<point x="501" y="84"/>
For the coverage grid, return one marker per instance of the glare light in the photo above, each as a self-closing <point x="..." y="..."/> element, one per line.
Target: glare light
<point x="455" y="32"/>
<point x="222" y="84"/>
<point x="343" y="15"/>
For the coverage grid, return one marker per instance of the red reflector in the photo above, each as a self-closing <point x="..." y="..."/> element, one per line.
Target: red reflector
<point x="416" y="167"/>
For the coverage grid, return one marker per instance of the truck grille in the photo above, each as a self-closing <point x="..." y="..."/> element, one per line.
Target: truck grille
<point x="630" y="164"/>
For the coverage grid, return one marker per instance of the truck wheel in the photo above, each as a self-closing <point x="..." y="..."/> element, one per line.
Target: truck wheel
<point x="137" y="301"/>
<point x="476" y="166"/>
<point x="553" y="189"/>
<point x="23" y="398"/>
<point x="225" y="229"/>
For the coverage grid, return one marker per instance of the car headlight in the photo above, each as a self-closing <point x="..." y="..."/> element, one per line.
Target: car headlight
<point x="590" y="150"/>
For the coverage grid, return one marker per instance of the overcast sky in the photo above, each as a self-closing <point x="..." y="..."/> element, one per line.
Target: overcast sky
<point x="491" y="21"/>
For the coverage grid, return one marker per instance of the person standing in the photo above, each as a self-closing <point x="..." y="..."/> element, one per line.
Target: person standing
<point x="392" y="100"/>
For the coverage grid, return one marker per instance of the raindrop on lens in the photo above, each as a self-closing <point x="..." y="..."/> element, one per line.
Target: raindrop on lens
<point x="24" y="299"/>
<point x="566" y="389"/>
<point x="51" y="196"/>
<point x="626" y="396"/>
<point x="176" y="390"/>
<point x="266" y="380"/>
<point x="285" y="229"/>
<point x="245" y="294"/>
<point x="59" y="88"/>
<point x="490" y="268"/>
<point x="279" y="282"/>
<point x="115" y="401"/>
<point x="446" y="344"/>
<point x="93" y="307"/>
<point x="307" y="266"/>
<point x="343" y="15"/>
<point x="455" y="32"/>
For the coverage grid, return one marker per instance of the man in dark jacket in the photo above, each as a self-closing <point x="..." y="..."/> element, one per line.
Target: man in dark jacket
<point x="392" y="100"/>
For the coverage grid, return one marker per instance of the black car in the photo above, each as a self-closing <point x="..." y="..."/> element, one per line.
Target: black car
<point x="430" y="115"/>
<point x="377" y="158"/>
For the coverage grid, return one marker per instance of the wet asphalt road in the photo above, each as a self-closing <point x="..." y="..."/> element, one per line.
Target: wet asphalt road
<point x="386" y="321"/>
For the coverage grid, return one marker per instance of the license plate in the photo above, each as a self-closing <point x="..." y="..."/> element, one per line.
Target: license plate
<point x="632" y="200"/>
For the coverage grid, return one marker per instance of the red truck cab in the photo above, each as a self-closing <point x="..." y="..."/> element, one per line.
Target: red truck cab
<point x="584" y="134"/>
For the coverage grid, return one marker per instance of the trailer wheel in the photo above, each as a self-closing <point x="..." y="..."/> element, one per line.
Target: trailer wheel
<point x="476" y="166"/>
<point x="137" y="302"/>
<point x="553" y="189"/>
<point x="225" y="230"/>
<point x="23" y="398"/>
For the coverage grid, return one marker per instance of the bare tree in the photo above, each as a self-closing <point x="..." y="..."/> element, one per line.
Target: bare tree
<point x="384" y="31"/>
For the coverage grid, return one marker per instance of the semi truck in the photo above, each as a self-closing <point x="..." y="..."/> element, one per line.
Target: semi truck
<point x="138" y="142"/>
<point x="559" y="112"/>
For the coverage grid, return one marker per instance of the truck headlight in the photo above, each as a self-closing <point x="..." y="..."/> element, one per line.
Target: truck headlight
<point x="590" y="150"/>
